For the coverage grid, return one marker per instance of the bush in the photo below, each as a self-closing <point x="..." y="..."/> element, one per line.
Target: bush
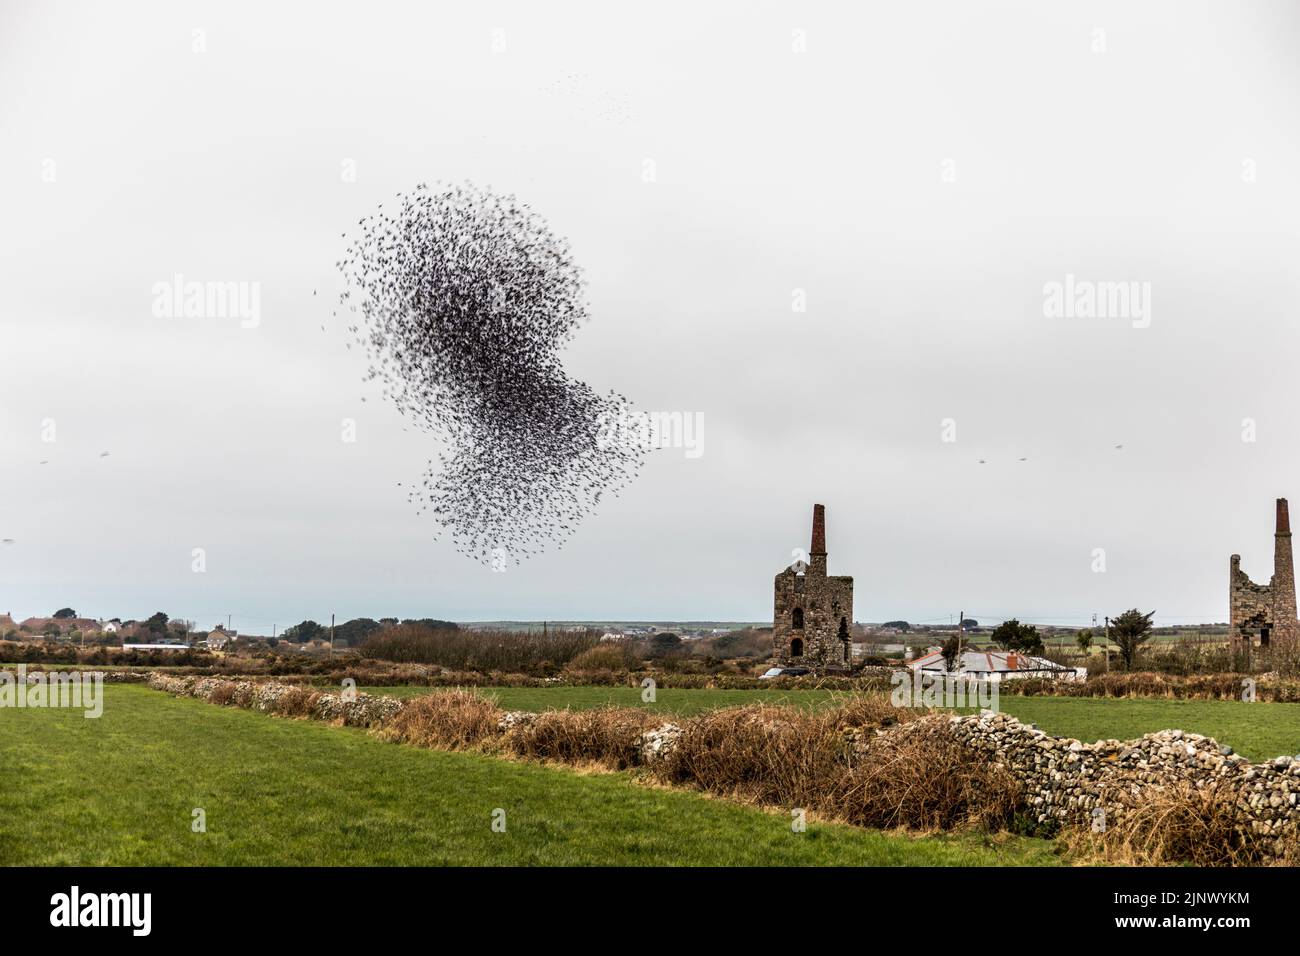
<point x="477" y="650"/>
<point x="925" y="779"/>
<point x="449" y="720"/>
<point x="297" y="702"/>
<point x="759" y="753"/>
<point x="609" y="736"/>
<point x="605" y="656"/>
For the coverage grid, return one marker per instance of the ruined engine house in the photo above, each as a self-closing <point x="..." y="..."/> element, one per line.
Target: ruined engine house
<point x="1265" y="611"/>
<point x="813" y="611"/>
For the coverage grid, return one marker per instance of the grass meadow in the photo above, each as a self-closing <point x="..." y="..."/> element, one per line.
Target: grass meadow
<point x="121" y="790"/>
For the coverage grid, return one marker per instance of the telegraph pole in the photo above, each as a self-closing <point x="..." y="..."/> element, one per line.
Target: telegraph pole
<point x="331" y="636"/>
<point x="1107" y="643"/>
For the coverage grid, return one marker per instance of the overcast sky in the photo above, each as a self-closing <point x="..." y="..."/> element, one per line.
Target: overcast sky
<point x="916" y="173"/>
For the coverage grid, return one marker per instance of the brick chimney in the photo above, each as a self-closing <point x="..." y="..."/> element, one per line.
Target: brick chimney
<point x="817" y="554"/>
<point x="1013" y="662"/>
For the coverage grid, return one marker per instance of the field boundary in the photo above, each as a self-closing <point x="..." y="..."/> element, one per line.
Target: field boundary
<point x="862" y="761"/>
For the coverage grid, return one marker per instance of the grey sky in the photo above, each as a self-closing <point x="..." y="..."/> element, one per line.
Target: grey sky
<point x="920" y="172"/>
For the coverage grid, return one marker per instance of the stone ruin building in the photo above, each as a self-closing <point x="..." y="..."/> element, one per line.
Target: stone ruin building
<point x="813" y="611"/>
<point x="1266" y="611"/>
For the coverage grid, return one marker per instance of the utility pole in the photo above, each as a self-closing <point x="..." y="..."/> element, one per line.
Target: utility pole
<point x="227" y="622"/>
<point x="1107" y="643"/>
<point x="331" y="636"/>
<point x="961" y="633"/>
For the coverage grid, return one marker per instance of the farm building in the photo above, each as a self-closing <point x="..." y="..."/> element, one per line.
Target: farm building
<point x="997" y="666"/>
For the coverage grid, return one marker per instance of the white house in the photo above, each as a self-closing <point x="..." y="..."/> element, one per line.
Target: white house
<point x="998" y="666"/>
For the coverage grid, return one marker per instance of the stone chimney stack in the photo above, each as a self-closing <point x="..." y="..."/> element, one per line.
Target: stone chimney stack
<point x="817" y="554"/>
<point x="1286" y="630"/>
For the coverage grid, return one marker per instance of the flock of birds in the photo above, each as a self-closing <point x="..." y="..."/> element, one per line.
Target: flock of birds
<point x="588" y="100"/>
<point x="463" y="300"/>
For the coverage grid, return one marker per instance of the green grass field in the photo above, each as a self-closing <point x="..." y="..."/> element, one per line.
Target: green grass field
<point x="120" y="790"/>
<point x="1258" y="731"/>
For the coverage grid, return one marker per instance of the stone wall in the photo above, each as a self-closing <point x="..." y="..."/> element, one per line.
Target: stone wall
<point x="1065" y="779"/>
<point x="352" y="710"/>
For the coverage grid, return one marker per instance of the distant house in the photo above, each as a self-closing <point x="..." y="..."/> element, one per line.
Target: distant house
<point x="217" y="640"/>
<point x="110" y="627"/>
<point x="997" y="666"/>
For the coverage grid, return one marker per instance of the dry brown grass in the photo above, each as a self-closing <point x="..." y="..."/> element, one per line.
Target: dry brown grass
<point x="921" y="778"/>
<point x="924" y="779"/>
<point x="1176" y="824"/>
<point x="448" y="720"/>
<point x="760" y="753"/>
<point x="870" y="712"/>
<point x="606" y="736"/>
<point x="222" y="694"/>
<point x="298" y="702"/>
